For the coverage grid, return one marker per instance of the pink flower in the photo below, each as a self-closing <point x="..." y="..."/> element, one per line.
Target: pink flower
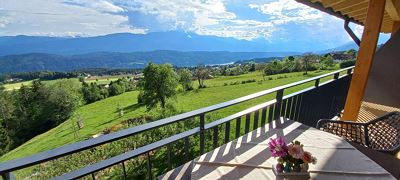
<point x="278" y="147"/>
<point x="307" y="158"/>
<point x="296" y="151"/>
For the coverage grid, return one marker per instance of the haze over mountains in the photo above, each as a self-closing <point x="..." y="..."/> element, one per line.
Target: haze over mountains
<point x="124" y="50"/>
<point x="125" y="42"/>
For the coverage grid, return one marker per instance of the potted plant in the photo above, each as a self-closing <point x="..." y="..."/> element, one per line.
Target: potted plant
<point x="291" y="158"/>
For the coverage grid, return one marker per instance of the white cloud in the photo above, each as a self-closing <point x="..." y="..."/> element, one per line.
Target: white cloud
<point x="204" y="17"/>
<point x="60" y="18"/>
<point x="284" y="11"/>
<point x="209" y="17"/>
<point x="99" y="5"/>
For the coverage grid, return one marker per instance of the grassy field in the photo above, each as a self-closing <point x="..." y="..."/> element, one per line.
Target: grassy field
<point x="97" y="79"/>
<point x="15" y="86"/>
<point x="103" y="114"/>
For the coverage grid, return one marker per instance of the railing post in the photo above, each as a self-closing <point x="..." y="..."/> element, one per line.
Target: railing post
<point x="202" y="143"/>
<point x="279" y="96"/>
<point x="336" y="76"/>
<point x="8" y="176"/>
<point x="149" y="172"/>
<point x="349" y="71"/>
<point x="238" y="122"/>
<point x="317" y="83"/>
<point x="187" y="149"/>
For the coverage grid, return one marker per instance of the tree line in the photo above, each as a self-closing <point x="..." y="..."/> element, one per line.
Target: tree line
<point x="93" y="92"/>
<point x="42" y="75"/>
<point x="33" y="110"/>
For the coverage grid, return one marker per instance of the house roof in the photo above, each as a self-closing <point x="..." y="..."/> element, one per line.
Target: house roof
<point x="356" y="10"/>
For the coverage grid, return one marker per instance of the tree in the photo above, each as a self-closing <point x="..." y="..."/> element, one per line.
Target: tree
<point x="5" y="141"/>
<point x="159" y="83"/>
<point x="201" y="73"/>
<point x="116" y="89"/>
<point x="81" y="79"/>
<point x="92" y="92"/>
<point x="185" y="79"/>
<point x="273" y="67"/>
<point x="307" y="59"/>
<point x="290" y="58"/>
<point x="252" y="67"/>
<point x="352" y="52"/>
<point x="65" y="96"/>
<point x="6" y="108"/>
<point x="328" y="62"/>
<point x="260" y="67"/>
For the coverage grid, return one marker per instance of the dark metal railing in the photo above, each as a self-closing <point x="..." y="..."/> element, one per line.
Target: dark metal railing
<point x="323" y="100"/>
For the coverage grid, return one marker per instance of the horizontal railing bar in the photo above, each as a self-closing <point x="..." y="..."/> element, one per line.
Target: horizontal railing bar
<point x="260" y="106"/>
<point x="126" y="156"/>
<point x="20" y="163"/>
<point x="310" y="88"/>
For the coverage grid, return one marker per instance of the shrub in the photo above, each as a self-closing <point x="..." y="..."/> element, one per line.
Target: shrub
<point x="140" y="97"/>
<point x="347" y="63"/>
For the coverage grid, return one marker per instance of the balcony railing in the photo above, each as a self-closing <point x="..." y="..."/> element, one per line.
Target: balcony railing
<point x="322" y="100"/>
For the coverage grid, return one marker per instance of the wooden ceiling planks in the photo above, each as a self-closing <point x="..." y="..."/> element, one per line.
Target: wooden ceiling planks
<point x="357" y="9"/>
<point x="393" y="9"/>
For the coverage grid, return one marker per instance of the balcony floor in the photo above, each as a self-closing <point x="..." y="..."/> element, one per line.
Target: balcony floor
<point x="369" y="111"/>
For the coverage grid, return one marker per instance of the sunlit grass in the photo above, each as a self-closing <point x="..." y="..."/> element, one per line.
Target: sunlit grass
<point x="103" y="114"/>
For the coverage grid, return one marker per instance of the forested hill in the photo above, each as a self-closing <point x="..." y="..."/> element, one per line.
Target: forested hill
<point x="39" y="61"/>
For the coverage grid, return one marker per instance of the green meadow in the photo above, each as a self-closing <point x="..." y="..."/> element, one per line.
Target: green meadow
<point x="103" y="114"/>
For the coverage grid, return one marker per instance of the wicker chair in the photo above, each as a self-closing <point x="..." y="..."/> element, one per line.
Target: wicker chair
<point x="382" y="134"/>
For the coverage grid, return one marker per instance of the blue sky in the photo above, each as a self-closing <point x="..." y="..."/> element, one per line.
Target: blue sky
<point x="272" y="21"/>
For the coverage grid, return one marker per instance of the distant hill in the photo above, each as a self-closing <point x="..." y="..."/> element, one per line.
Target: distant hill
<point x="40" y="61"/>
<point x="344" y="47"/>
<point x="126" y="42"/>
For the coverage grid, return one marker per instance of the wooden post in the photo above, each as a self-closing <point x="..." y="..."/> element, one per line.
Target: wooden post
<point x="365" y="57"/>
<point x="395" y="28"/>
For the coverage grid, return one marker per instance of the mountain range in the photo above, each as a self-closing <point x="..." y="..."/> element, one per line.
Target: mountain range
<point x="125" y="50"/>
<point x="40" y="61"/>
<point x="126" y="42"/>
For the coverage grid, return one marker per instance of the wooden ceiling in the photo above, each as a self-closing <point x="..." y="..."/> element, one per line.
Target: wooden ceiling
<point x="356" y="10"/>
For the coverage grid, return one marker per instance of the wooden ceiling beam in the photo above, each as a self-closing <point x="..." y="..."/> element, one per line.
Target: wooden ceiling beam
<point x="330" y="3"/>
<point x="350" y="4"/>
<point x="393" y="9"/>
<point x="357" y="12"/>
<point x="363" y="6"/>
<point x="362" y="18"/>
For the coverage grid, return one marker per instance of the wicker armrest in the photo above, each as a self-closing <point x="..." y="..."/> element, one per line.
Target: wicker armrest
<point x="324" y="122"/>
<point x="349" y="130"/>
<point x="382" y="134"/>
